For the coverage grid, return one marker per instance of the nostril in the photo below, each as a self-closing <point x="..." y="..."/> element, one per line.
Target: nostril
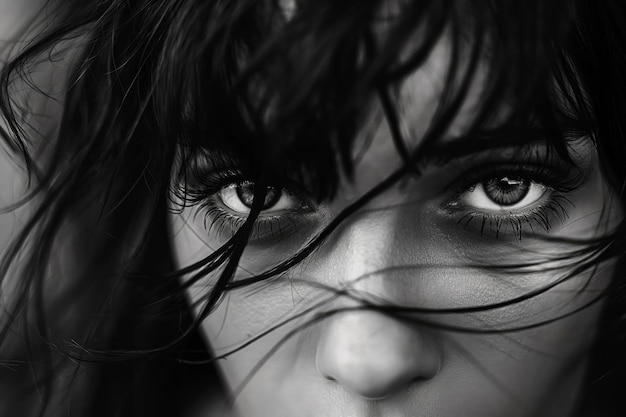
<point x="363" y="393"/>
<point x="373" y="356"/>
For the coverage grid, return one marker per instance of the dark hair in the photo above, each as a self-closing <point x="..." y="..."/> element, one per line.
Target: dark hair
<point x="157" y="84"/>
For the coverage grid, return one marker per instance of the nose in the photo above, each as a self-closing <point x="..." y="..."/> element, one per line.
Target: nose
<point x="373" y="355"/>
<point x="368" y="353"/>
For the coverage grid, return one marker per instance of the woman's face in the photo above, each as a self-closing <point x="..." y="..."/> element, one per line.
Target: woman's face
<point x="441" y="240"/>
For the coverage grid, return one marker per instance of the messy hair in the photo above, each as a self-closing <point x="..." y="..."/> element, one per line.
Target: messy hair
<point x="156" y="84"/>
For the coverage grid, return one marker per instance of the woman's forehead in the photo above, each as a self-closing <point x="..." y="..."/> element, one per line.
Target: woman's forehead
<point x="421" y="96"/>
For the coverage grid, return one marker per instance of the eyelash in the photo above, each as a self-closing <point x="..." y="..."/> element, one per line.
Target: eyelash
<point x="558" y="182"/>
<point x="263" y="229"/>
<point x="203" y="193"/>
<point x="541" y="217"/>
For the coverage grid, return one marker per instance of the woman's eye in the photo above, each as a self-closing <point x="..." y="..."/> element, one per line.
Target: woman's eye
<point x="239" y="198"/>
<point x="505" y="193"/>
<point x="524" y="200"/>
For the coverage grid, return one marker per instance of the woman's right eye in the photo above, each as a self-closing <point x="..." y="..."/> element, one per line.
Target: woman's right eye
<point x="239" y="197"/>
<point x="283" y="212"/>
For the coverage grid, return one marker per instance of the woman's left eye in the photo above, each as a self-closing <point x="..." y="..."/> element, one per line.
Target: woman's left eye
<point x="239" y="197"/>
<point x="503" y="194"/>
<point x="512" y="200"/>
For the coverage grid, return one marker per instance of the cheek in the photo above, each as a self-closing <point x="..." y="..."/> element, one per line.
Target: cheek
<point x="540" y="368"/>
<point x="513" y="365"/>
<point x="513" y="373"/>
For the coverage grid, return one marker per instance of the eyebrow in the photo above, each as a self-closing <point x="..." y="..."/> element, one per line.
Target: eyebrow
<point x="442" y="152"/>
<point x="480" y="141"/>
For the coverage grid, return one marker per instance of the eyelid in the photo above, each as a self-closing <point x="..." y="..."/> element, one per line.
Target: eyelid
<point x="558" y="177"/>
<point x="302" y="202"/>
<point x="536" y="192"/>
<point x="211" y="183"/>
<point x="268" y="226"/>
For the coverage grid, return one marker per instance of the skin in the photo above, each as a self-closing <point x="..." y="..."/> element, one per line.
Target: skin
<point x="364" y="363"/>
<point x="408" y="247"/>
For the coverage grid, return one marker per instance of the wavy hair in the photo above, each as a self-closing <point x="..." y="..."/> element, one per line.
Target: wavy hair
<point x="156" y="84"/>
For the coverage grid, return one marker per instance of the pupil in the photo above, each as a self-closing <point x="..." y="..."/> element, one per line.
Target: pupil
<point x="245" y="192"/>
<point x="506" y="191"/>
